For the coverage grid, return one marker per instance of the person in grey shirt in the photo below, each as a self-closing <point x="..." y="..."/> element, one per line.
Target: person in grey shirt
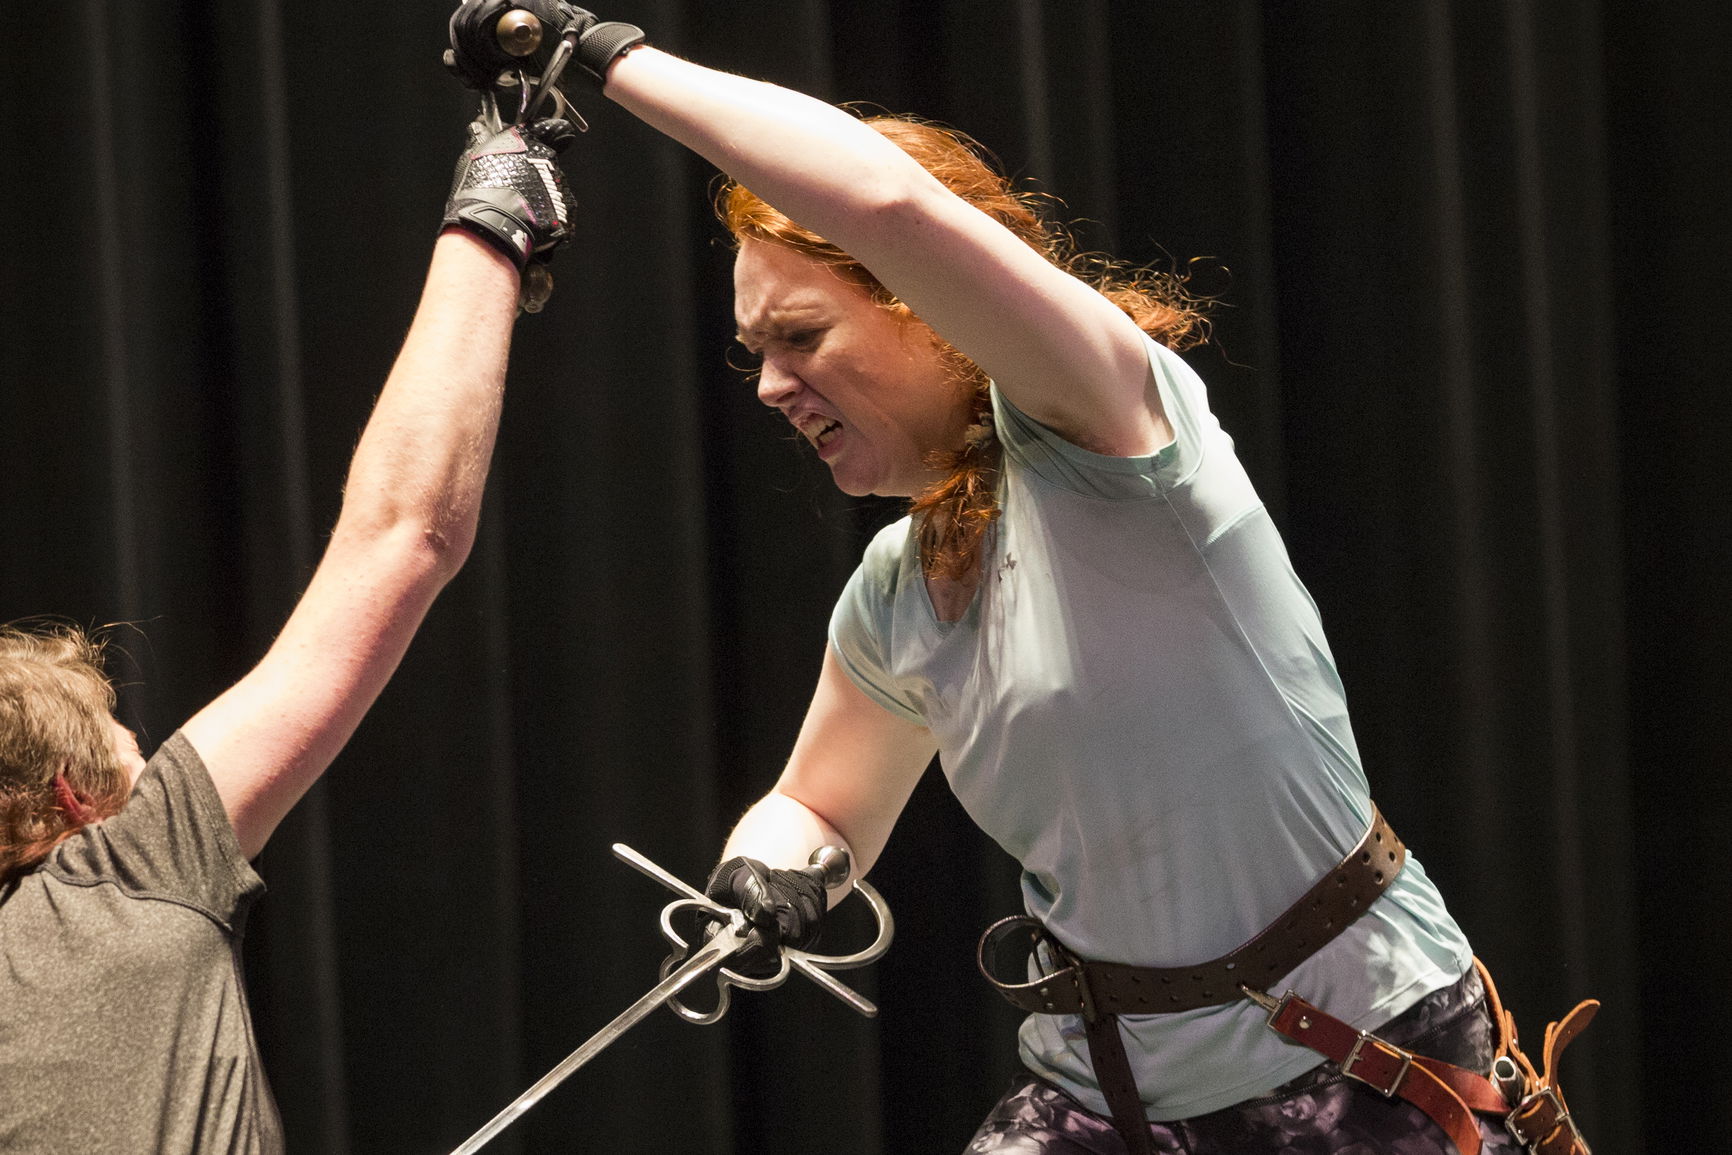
<point x="124" y="885"/>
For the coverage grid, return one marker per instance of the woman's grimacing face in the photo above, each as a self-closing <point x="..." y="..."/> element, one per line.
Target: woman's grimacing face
<point x="868" y="390"/>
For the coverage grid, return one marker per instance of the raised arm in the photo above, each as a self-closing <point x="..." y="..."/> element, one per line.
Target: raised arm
<point x="408" y="519"/>
<point x="1059" y="349"/>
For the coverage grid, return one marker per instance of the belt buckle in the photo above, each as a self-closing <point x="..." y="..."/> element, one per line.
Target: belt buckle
<point x="1353" y="1057"/>
<point x="1561" y="1118"/>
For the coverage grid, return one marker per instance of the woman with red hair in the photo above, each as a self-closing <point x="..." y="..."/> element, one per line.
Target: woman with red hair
<point x="1092" y="621"/>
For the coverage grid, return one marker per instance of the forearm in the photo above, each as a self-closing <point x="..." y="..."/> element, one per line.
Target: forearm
<point x="408" y="518"/>
<point x="1055" y="346"/>
<point x="813" y="161"/>
<point x="421" y="464"/>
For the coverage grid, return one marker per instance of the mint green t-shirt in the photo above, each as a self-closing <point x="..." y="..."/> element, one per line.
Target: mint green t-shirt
<point x="1141" y="707"/>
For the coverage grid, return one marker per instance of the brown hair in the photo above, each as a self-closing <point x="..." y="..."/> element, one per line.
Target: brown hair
<point x="58" y="767"/>
<point x="955" y="511"/>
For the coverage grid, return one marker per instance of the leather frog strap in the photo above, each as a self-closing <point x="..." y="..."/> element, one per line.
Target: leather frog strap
<point x="1539" y="1118"/>
<point x="1118" y="1082"/>
<point x="1393" y="1072"/>
<point x="1107" y="1056"/>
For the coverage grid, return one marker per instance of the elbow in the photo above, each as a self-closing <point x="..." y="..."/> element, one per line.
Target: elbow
<point x="885" y="180"/>
<point x="894" y="203"/>
<point x="886" y="206"/>
<point x="424" y="557"/>
<point x="444" y="545"/>
<point x="425" y="550"/>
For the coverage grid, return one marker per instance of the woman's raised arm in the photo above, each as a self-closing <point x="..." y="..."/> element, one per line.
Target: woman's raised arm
<point x="1061" y="351"/>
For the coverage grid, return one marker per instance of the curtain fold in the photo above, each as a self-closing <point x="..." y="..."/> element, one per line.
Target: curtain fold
<point x="1468" y="255"/>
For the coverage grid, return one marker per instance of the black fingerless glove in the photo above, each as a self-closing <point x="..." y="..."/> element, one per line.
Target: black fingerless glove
<point x="510" y="192"/>
<point x="478" y="58"/>
<point x="785" y="908"/>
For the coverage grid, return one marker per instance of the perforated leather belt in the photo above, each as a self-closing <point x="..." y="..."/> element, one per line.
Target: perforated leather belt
<point x="1091" y="989"/>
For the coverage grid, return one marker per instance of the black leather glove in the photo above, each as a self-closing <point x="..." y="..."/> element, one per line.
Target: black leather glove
<point x="478" y="58"/>
<point x="785" y="908"/>
<point x="510" y="192"/>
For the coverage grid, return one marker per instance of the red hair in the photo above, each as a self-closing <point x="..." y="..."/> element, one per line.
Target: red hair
<point x="954" y="513"/>
<point x="58" y="766"/>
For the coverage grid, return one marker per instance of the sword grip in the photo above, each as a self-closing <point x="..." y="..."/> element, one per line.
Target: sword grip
<point x="827" y="869"/>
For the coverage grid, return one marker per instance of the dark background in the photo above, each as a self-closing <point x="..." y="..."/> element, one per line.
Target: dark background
<point x="1473" y="264"/>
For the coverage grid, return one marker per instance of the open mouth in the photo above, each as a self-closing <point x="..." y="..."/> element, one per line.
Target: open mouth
<point x="819" y="430"/>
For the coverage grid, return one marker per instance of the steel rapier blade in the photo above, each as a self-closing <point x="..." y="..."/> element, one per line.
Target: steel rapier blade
<point x="726" y="943"/>
<point x="829" y="866"/>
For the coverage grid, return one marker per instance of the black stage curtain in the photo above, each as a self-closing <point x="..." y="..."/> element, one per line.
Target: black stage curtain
<point x="1469" y="254"/>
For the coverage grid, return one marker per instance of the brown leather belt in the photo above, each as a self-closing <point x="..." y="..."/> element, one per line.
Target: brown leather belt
<point x="1101" y="991"/>
<point x="1089" y="988"/>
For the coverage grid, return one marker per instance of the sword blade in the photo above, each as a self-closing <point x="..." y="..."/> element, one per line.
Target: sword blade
<point x="712" y="954"/>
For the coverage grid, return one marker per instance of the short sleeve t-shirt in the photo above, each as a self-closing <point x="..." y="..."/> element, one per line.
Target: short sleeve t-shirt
<point x="1141" y="707"/>
<point x="124" y="1023"/>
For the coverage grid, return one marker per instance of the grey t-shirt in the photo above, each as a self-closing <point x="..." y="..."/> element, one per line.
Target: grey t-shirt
<point x="124" y="1024"/>
<point x="1140" y="705"/>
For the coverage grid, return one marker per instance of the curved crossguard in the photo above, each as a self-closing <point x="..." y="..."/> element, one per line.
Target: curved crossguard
<point x="688" y="964"/>
<point x="809" y="963"/>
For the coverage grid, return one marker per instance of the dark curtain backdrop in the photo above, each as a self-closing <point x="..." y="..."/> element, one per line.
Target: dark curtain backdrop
<point x="1471" y="259"/>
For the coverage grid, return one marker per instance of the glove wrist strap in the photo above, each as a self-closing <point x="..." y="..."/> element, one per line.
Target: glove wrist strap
<point x="496" y="227"/>
<point x="601" y="44"/>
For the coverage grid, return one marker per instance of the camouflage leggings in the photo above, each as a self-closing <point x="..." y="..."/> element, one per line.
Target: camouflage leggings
<point x="1322" y="1112"/>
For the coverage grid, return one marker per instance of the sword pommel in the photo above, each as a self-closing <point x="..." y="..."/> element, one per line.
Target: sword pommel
<point x="830" y="866"/>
